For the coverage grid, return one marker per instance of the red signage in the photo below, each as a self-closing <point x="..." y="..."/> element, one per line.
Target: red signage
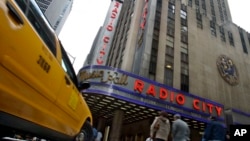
<point x="109" y="29"/>
<point x="144" y="15"/>
<point x="143" y="23"/>
<point x="178" y="98"/>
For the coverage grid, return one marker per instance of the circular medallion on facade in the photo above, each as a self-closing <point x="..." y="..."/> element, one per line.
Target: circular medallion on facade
<point x="227" y="70"/>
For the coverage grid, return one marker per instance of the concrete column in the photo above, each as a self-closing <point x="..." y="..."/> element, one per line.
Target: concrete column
<point x="177" y="47"/>
<point x="160" y="67"/>
<point x="116" y="126"/>
<point x="101" y="124"/>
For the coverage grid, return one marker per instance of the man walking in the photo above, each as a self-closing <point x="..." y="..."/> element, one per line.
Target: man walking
<point x="214" y="131"/>
<point x="160" y="127"/>
<point x="180" y="129"/>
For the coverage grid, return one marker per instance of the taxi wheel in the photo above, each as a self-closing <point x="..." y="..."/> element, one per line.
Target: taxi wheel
<point x="86" y="133"/>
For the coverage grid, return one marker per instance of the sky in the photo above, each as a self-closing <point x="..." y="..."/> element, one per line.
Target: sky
<point x="86" y="17"/>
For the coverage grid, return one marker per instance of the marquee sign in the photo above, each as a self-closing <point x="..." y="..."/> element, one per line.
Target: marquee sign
<point x="131" y="85"/>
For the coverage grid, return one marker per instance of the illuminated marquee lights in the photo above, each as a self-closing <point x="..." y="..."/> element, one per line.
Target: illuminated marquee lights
<point x="179" y="98"/>
<point x="143" y="87"/>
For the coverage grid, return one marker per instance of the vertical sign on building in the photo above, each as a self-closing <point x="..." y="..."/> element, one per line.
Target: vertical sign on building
<point x="143" y="23"/>
<point x="141" y="38"/>
<point x="104" y="42"/>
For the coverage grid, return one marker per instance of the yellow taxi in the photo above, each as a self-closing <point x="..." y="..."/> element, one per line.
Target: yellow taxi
<point x="39" y="92"/>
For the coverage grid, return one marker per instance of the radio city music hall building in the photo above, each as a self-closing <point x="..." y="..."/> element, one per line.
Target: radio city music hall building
<point x="180" y="56"/>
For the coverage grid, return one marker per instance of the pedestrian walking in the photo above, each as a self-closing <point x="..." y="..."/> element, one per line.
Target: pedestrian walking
<point x="95" y="132"/>
<point x="214" y="131"/>
<point x="149" y="139"/>
<point x="180" y="129"/>
<point x="227" y="138"/>
<point x="160" y="128"/>
<point x="99" y="136"/>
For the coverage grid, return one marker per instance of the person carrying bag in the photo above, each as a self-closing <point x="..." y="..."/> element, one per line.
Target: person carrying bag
<point x="160" y="128"/>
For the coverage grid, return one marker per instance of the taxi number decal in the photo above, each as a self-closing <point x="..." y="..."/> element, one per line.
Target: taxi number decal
<point x="43" y="64"/>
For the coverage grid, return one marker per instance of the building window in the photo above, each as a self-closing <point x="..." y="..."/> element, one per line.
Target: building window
<point x="152" y="76"/>
<point x="183" y="22"/>
<point x="171" y="19"/>
<point x="184" y="68"/>
<point x="170" y="32"/>
<point x="243" y="40"/>
<point x="190" y="3"/>
<point x="212" y="11"/>
<point x="156" y="33"/>
<point x="157" y="14"/>
<point x="199" y="20"/>
<point x="184" y="31"/>
<point x="203" y="5"/>
<point x="213" y="28"/>
<point x="214" y="19"/>
<point x="220" y="10"/>
<point x="170" y="23"/>
<point x="152" y="66"/>
<point x="155" y="43"/>
<point x="169" y="51"/>
<point x="248" y="36"/>
<point x="224" y="9"/>
<point x="157" y="24"/>
<point x="230" y="37"/>
<point x="183" y="14"/>
<point x="184" y="53"/>
<point x="184" y="57"/>
<point x="169" y="61"/>
<point x="153" y="61"/>
<point x="171" y="8"/>
<point x="196" y="2"/>
<point x="183" y="7"/>
<point x="184" y="83"/>
<point x="168" y="77"/>
<point x="171" y="16"/>
<point x="159" y="4"/>
<point x="172" y="2"/>
<point x="222" y="34"/>
<point x="170" y="41"/>
<point x="184" y="38"/>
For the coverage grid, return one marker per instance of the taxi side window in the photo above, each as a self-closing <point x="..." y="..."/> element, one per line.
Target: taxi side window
<point x="22" y="4"/>
<point x="67" y="66"/>
<point x="37" y="20"/>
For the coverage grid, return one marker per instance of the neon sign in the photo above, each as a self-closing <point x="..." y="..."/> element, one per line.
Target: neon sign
<point x="108" y="33"/>
<point x="144" y="15"/>
<point x="140" y="86"/>
<point x="178" y="98"/>
<point x="143" y="22"/>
